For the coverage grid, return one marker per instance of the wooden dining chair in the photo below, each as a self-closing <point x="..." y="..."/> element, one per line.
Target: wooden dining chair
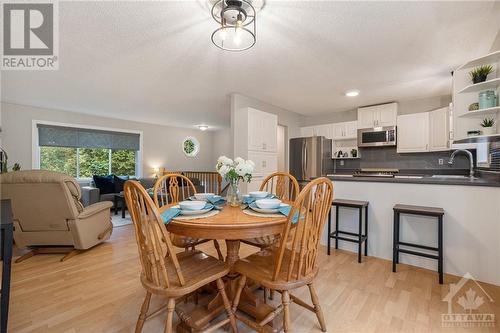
<point x="170" y="189"/>
<point x="286" y="188"/>
<point x="293" y="263"/>
<point x="166" y="273"/>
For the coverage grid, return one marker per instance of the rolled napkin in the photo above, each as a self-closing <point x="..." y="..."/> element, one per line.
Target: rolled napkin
<point x="248" y="199"/>
<point x="169" y="214"/>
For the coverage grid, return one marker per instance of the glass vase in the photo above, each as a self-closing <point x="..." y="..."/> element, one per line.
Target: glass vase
<point x="233" y="194"/>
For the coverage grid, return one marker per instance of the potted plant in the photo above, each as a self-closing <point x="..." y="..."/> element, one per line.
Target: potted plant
<point x="233" y="172"/>
<point x="487" y="125"/>
<point x="479" y="74"/>
<point x="354" y="152"/>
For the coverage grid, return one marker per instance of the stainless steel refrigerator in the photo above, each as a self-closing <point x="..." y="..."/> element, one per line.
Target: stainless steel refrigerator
<point x="309" y="157"/>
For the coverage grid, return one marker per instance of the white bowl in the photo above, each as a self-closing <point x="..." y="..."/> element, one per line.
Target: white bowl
<point x="203" y="196"/>
<point x="268" y="203"/>
<point x="258" y="194"/>
<point x="192" y="205"/>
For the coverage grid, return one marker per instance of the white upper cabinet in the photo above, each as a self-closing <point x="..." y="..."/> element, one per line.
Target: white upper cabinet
<point x="413" y="133"/>
<point x="378" y="115"/>
<point x="262" y="131"/>
<point x="345" y="131"/>
<point x="439" y="127"/>
<point x="366" y="116"/>
<point x="307" y="131"/>
<point x="324" y="130"/>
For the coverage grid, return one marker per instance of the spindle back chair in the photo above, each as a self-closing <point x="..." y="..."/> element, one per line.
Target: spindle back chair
<point x="164" y="272"/>
<point x="293" y="263"/>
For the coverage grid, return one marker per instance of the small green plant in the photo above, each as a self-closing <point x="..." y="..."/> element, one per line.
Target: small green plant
<point x="479" y="74"/>
<point x="488" y="122"/>
<point x="16" y="167"/>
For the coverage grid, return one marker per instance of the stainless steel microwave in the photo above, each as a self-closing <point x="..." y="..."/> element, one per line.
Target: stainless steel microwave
<point x="377" y="137"/>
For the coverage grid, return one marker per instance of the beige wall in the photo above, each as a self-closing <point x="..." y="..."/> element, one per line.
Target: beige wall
<point x="496" y="43"/>
<point x="161" y="144"/>
<point x="404" y="107"/>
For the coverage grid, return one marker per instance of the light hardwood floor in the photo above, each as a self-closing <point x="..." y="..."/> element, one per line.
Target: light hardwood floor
<point x="99" y="291"/>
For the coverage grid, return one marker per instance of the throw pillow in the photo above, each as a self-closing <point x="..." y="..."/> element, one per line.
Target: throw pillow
<point x="119" y="182"/>
<point x="105" y="184"/>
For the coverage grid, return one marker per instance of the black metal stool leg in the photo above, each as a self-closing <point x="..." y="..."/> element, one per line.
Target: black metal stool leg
<point x="329" y="230"/>
<point x="366" y="231"/>
<point x="440" y="248"/>
<point x="395" y="241"/>
<point x="360" y="234"/>
<point x="337" y="213"/>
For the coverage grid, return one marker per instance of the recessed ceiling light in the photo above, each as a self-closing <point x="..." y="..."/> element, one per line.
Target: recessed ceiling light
<point x="203" y="127"/>
<point x="352" y="93"/>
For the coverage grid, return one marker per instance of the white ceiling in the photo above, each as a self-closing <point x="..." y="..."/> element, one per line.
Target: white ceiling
<point x="154" y="62"/>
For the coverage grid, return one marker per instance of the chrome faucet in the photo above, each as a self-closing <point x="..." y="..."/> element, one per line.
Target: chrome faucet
<point x="471" y="160"/>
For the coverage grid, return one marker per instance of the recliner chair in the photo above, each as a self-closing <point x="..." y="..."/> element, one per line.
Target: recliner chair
<point x="48" y="214"/>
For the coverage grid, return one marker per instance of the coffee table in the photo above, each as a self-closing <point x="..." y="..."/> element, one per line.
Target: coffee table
<point x="120" y="198"/>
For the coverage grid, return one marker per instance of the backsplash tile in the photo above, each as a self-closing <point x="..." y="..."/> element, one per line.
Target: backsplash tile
<point x="387" y="157"/>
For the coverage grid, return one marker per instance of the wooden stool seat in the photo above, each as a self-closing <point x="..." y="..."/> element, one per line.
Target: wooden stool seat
<point x="422" y="211"/>
<point x="350" y="203"/>
<point x="419" y="210"/>
<point x="353" y="237"/>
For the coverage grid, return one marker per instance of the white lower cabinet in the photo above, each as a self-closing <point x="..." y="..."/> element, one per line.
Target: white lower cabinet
<point x="254" y="185"/>
<point x="265" y="163"/>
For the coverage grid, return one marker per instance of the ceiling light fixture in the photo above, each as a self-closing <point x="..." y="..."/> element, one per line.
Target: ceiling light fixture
<point x="203" y="127"/>
<point x="236" y="20"/>
<point x="352" y="93"/>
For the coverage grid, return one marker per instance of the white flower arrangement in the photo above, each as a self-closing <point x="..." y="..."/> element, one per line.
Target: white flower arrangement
<point x="234" y="171"/>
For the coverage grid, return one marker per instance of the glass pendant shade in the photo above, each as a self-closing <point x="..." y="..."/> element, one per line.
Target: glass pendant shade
<point x="236" y="19"/>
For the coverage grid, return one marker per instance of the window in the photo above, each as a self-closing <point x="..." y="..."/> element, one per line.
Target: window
<point x="82" y="153"/>
<point x="86" y="162"/>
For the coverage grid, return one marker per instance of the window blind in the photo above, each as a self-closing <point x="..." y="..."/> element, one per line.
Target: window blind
<point x="72" y="137"/>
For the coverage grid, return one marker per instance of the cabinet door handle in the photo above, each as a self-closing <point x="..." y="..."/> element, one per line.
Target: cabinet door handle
<point x="264" y="164"/>
<point x="264" y="146"/>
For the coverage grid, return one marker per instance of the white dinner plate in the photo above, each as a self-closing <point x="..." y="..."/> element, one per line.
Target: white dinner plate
<point x="194" y="212"/>
<point x="254" y="207"/>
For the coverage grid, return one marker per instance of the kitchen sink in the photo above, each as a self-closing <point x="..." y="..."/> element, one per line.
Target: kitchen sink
<point x="453" y="177"/>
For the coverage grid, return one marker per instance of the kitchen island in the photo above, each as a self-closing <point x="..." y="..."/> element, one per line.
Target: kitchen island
<point x="471" y="221"/>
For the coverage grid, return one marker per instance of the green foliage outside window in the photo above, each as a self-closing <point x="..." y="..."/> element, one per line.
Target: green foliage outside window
<point x="88" y="161"/>
<point x="58" y="159"/>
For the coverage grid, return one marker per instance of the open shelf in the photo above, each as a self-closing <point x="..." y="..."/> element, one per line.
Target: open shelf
<point x="489" y="84"/>
<point x="345" y="158"/>
<point x="484" y="60"/>
<point x="479" y="139"/>
<point x="481" y="113"/>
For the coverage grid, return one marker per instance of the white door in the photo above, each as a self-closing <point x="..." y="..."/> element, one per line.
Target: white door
<point x="387" y="115"/>
<point x="366" y="116"/>
<point x="439" y="130"/>
<point x="413" y="133"/>
<point x="351" y="129"/>
<point x="282" y="148"/>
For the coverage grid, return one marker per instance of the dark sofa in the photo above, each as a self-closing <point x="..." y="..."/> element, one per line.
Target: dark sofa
<point x="91" y="194"/>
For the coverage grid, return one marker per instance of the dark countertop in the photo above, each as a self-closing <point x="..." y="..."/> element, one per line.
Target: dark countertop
<point x="426" y="179"/>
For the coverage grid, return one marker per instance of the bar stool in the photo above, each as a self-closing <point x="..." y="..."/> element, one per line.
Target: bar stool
<point x="422" y="211"/>
<point x="360" y="238"/>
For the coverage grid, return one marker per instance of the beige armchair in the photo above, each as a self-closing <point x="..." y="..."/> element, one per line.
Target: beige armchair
<point x="48" y="214"/>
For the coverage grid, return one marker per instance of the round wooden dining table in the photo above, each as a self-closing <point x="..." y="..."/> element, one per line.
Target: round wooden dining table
<point x="231" y="225"/>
